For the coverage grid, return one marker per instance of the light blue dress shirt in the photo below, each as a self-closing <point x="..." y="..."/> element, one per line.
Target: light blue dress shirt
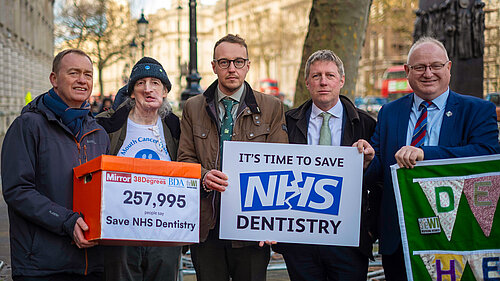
<point x="335" y="124"/>
<point x="435" y="114"/>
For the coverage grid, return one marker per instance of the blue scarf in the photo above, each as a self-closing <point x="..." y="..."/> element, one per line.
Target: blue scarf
<point x="71" y="117"/>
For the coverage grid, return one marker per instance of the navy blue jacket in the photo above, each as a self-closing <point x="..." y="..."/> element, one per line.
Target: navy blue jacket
<point x="469" y="128"/>
<point x="38" y="156"/>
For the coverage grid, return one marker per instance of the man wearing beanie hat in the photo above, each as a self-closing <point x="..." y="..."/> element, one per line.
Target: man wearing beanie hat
<point x="144" y="114"/>
<point x="228" y="105"/>
<point x="137" y="73"/>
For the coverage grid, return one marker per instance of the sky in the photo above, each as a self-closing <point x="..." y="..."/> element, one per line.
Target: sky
<point x="150" y="6"/>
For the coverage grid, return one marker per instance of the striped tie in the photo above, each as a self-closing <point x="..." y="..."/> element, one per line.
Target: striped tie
<point x="420" y="130"/>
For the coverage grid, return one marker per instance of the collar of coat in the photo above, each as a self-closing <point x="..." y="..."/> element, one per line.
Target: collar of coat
<point x="210" y="95"/>
<point x="305" y="109"/>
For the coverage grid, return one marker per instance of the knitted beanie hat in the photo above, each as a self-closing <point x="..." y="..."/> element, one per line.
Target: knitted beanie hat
<point x="147" y="67"/>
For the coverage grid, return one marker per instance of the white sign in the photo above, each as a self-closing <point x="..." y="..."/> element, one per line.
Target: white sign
<point x="149" y="208"/>
<point x="291" y="193"/>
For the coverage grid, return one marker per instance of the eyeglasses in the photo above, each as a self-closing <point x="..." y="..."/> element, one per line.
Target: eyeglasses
<point x="421" y="68"/>
<point x="238" y="63"/>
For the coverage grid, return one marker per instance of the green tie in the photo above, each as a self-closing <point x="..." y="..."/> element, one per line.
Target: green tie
<point x="226" y="128"/>
<point x="325" y="134"/>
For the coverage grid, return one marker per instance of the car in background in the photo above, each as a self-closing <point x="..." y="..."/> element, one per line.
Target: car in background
<point x="495" y="98"/>
<point x="370" y="104"/>
<point x="394" y="83"/>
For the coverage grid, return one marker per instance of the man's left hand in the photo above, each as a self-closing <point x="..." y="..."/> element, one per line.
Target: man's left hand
<point x="407" y="156"/>
<point x="80" y="241"/>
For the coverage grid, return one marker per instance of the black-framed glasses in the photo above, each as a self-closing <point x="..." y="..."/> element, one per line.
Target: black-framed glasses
<point x="433" y="67"/>
<point x="238" y="62"/>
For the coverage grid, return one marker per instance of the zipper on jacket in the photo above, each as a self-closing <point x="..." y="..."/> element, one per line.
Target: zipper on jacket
<point x="79" y="149"/>
<point x="86" y="263"/>
<point x="85" y="152"/>
<point x="80" y="160"/>
<point x="84" y="146"/>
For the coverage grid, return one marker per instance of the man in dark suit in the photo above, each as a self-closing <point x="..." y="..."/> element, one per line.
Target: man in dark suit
<point x="328" y="118"/>
<point x="431" y="123"/>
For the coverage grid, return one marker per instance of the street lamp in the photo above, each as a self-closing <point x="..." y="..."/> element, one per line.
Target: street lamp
<point x="179" y="10"/>
<point x="142" y="25"/>
<point x="193" y="79"/>
<point x="133" y="49"/>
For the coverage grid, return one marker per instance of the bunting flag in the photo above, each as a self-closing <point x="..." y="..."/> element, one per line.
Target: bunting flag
<point x="444" y="197"/>
<point x="482" y="194"/>
<point x="485" y="265"/>
<point x="444" y="267"/>
<point x="443" y="231"/>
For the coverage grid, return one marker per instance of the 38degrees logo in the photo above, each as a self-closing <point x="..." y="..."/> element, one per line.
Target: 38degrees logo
<point x="118" y="177"/>
<point x="281" y="190"/>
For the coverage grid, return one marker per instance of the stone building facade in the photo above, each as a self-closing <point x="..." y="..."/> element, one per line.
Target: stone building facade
<point x="274" y="31"/>
<point x="492" y="46"/>
<point x="387" y="42"/>
<point x="26" y="53"/>
<point x="167" y="40"/>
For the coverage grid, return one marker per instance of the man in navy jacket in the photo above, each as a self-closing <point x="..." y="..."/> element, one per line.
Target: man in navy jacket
<point x="455" y="126"/>
<point x="54" y="133"/>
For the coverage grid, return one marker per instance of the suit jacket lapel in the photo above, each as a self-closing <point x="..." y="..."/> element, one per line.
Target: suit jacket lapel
<point x="403" y="117"/>
<point x="449" y="120"/>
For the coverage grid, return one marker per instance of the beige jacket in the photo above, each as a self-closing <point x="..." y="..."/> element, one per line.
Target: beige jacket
<point x="260" y="118"/>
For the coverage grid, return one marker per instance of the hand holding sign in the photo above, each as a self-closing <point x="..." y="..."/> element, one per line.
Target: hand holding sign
<point x="215" y="180"/>
<point x="367" y="150"/>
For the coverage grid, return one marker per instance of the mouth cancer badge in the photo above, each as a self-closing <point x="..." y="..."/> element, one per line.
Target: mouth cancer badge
<point x="429" y="225"/>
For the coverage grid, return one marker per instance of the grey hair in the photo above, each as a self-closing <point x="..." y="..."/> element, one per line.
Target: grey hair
<point x="423" y="40"/>
<point x="163" y="111"/>
<point x="324" y="55"/>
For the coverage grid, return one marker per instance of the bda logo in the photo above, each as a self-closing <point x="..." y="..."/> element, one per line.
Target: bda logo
<point x="281" y="190"/>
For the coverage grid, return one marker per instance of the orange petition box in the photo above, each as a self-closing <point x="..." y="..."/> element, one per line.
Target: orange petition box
<point x="131" y="201"/>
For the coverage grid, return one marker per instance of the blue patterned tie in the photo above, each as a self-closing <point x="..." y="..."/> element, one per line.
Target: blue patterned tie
<point x="420" y="130"/>
<point x="226" y="128"/>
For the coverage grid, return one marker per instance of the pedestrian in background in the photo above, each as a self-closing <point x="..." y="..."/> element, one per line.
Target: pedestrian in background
<point x="433" y="122"/>
<point x="228" y="110"/>
<point x="54" y="133"/>
<point x="145" y="114"/>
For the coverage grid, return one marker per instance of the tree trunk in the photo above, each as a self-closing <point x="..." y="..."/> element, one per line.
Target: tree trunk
<point x="337" y="25"/>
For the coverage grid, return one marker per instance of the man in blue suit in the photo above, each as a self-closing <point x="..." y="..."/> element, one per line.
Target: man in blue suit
<point x="431" y="123"/>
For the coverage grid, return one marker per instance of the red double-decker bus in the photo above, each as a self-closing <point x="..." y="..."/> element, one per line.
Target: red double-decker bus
<point x="269" y="86"/>
<point x="394" y="83"/>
